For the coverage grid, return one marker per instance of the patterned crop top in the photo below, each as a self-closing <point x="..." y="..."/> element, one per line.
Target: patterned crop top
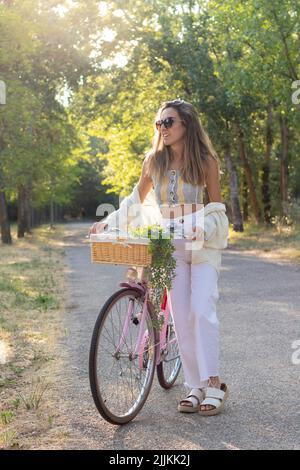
<point x="173" y="191"/>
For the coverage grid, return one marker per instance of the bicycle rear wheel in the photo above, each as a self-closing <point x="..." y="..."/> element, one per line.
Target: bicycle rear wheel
<point x="120" y="374"/>
<point x="170" y="364"/>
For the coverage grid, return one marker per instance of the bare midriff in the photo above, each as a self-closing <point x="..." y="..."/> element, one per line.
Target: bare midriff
<point x="180" y="210"/>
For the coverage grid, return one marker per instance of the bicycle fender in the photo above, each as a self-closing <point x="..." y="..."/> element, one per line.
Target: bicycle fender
<point x="134" y="286"/>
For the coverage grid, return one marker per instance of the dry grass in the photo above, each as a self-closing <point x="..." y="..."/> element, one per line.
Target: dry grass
<point x="278" y="242"/>
<point x="31" y="306"/>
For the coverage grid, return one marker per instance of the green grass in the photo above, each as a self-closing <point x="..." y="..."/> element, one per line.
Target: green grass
<point x="278" y="241"/>
<point x="27" y="271"/>
<point x="6" y="416"/>
<point x="5" y="382"/>
<point x="8" y="440"/>
<point x="34" y="398"/>
<point x="31" y="300"/>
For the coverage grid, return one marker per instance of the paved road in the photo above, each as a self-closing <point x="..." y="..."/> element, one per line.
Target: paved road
<point x="259" y="310"/>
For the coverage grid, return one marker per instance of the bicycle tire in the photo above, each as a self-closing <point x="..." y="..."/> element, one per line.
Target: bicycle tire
<point x="164" y="381"/>
<point x="106" y="413"/>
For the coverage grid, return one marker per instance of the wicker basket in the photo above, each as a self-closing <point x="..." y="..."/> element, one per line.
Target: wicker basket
<point x="120" y="251"/>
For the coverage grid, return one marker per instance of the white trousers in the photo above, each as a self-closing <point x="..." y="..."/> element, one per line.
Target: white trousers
<point x="192" y="301"/>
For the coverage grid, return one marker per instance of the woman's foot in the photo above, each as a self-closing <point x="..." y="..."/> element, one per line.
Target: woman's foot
<point x="214" y="397"/>
<point x="192" y="402"/>
<point x="215" y="383"/>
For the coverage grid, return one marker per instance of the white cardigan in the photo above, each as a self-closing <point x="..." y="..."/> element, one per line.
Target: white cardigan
<point x="132" y="213"/>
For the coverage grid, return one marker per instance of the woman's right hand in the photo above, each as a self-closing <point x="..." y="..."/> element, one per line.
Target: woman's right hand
<point x="97" y="227"/>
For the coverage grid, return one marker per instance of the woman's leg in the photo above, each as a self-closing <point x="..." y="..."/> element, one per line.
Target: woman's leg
<point x="192" y="300"/>
<point x="179" y="298"/>
<point x="204" y="322"/>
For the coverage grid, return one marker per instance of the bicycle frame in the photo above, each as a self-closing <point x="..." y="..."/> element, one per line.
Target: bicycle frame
<point x="143" y="335"/>
<point x="165" y="311"/>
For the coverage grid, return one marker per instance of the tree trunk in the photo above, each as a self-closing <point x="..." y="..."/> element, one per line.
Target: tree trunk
<point x="28" y="212"/>
<point x="284" y="165"/>
<point x="234" y="191"/>
<point x="248" y="175"/>
<point x="266" y="198"/>
<point x="4" y="222"/>
<point x="23" y="211"/>
<point x="51" y="214"/>
<point x="245" y="199"/>
<point x="32" y="217"/>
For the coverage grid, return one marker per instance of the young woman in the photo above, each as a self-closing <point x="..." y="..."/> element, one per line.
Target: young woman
<point x="178" y="167"/>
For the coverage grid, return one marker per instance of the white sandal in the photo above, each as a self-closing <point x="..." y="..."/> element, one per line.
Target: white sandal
<point x="195" y="398"/>
<point x="215" y="397"/>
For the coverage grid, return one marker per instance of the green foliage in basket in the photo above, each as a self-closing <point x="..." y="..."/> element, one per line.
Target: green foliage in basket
<point x="161" y="272"/>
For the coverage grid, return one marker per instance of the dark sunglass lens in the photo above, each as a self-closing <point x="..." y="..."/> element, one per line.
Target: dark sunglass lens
<point x="168" y="122"/>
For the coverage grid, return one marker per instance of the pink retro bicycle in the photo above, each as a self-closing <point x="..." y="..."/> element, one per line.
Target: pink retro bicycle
<point x="126" y="347"/>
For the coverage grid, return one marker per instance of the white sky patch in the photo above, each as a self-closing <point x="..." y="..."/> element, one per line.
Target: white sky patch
<point x="103" y="8"/>
<point x="62" y="9"/>
<point x="119" y="13"/>
<point x="120" y="60"/>
<point x="108" y="34"/>
<point x="64" y="95"/>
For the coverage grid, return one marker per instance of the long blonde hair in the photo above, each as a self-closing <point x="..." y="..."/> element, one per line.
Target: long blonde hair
<point x="197" y="146"/>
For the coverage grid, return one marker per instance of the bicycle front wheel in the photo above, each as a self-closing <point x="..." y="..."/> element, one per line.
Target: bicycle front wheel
<point x="122" y="357"/>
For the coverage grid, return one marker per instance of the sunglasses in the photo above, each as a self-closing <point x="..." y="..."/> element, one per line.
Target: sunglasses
<point x="168" y="122"/>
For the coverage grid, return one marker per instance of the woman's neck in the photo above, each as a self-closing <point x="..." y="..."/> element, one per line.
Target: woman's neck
<point x="177" y="152"/>
<point x="176" y="161"/>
